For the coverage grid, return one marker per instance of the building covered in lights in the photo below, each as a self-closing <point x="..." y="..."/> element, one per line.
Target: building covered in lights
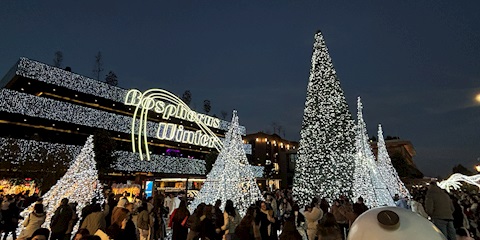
<point x="276" y="155"/>
<point x="43" y="104"/>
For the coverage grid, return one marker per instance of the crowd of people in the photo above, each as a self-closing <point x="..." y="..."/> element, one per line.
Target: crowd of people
<point x="124" y="217"/>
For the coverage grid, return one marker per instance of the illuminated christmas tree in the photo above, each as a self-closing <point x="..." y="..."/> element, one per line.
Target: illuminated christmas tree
<point x="79" y="184"/>
<point x="231" y="176"/>
<point x="325" y="156"/>
<point x="387" y="171"/>
<point x="367" y="182"/>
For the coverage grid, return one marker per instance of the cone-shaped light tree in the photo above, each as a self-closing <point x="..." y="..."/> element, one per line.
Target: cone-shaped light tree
<point x="231" y="176"/>
<point x="367" y="182"/>
<point x="79" y="184"/>
<point x="324" y="167"/>
<point x="387" y="171"/>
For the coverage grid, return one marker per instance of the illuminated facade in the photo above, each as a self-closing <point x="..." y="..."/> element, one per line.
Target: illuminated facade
<point x="43" y="103"/>
<point x="276" y="155"/>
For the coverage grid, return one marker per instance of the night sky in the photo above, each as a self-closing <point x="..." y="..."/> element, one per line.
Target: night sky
<point x="416" y="64"/>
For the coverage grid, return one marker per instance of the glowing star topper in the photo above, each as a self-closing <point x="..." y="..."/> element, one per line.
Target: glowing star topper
<point x="168" y="105"/>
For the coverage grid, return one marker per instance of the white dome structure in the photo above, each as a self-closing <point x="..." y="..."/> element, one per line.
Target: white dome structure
<point x="393" y="223"/>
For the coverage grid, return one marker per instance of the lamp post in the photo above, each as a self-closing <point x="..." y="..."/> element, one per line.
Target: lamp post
<point x="477" y="167"/>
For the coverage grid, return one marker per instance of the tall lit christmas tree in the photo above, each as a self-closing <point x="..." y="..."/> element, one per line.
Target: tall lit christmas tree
<point x="367" y="182"/>
<point x="231" y="176"/>
<point x="387" y="171"/>
<point x="79" y="184"/>
<point x="324" y="167"/>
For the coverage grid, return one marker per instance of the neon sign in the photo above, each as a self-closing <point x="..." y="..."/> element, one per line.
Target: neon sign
<point x="168" y="105"/>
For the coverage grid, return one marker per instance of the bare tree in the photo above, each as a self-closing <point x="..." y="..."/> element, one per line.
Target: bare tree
<point x="281" y="130"/>
<point x="58" y="59"/>
<point x="111" y="79"/>
<point x="224" y="114"/>
<point x="207" y="106"/>
<point x="274" y="126"/>
<point x="98" y="66"/>
<point x="187" y="97"/>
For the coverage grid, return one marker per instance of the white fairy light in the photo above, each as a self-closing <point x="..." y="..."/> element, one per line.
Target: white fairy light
<point x="128" y="161"/>
<point x="387" y="171"/>
<point x="29" y="150"/>
<point x="231" y="177"/>
<point x="325" y="156"/>
<point x="59" y="77"/>
<point x="367" y="182"/>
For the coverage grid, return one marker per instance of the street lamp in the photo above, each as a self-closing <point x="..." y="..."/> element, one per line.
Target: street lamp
<point x="477" y="97"/>
<point x="477" y="167"/>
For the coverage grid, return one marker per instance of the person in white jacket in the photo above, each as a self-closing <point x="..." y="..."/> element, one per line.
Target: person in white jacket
<point x="33" y="221"/>
<point x="417" y="207"/>
<point x="313" y="214"/>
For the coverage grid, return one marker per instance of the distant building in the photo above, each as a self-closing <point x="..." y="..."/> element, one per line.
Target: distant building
<point x="398" y="146"/>
<point x="400" y="149"/>
<point x="41" y="105"/>
<point x="277" y="155"/>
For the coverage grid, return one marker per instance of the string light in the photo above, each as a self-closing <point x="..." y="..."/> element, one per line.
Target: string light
<point x="29" y="150"/>
<point x="325" y="157"/>
<point x="231" y="177"/>
<point x="59" y="77"/>
<point x="367" y="182"/>
<point x="129" y="162"/>
<point x="387" y="171"/>
<point x="33" y="106"/>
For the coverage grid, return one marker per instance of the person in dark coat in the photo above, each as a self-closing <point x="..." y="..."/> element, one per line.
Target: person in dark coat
<point x="265" y="219"/>
<point x="218" y="219"/>
<point x="207" y="228"/>
<point x="248" y="229"/>
<point x="112" y="203"/>
<point x="194" y="222"/>
<point x="457" y="213"/>
<point x="40" y="234"/>
<point x="60" y="220"/>
<point x="179" y="226"/>
<point x="290" y="231"/>
<point x="119" y="222"/>
<point x="10" y="218"/>
<point x="359" y="207"/>
<point x="329" y="229"/>
<point x="439" y="207"/>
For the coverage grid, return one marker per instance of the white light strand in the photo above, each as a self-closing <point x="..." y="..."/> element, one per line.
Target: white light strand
<point x="325" y="156"/>
<point x="29" y="150"/>
<point x="387" y="171"/>
<point x="79" y="184"/>
<point x="33" y="106"/>
<point x="59" y="77"/>
<point x="129" y="162"/>
<point x="367" y="183"/>
<point x="231" y="177"/>
<point x="453" y="182"/>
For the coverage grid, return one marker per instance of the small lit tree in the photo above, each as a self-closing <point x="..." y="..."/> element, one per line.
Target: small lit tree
<point x="387" y="171"/>
<point x="231" y="177"/>
<point x="79" y="184"/>
<point x="367" y="182"/>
